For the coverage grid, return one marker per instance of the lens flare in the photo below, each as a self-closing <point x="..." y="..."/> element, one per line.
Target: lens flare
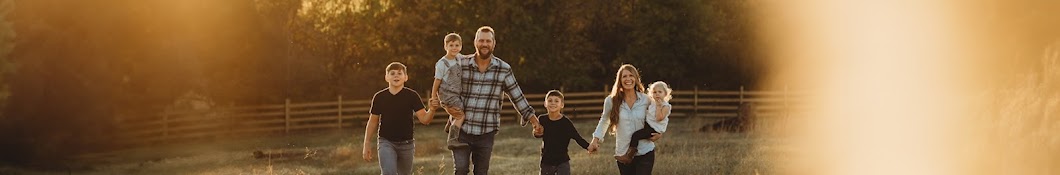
<point x="916" y="87"/>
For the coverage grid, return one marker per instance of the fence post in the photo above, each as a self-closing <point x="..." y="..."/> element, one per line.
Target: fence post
<point x="741" y="94"/>
<point x="287" y="115"/>
<point x="695" y="101"/>
<point x="340" y="112"/>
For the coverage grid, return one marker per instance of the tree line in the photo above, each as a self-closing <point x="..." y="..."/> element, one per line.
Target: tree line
<point x="71" y="69"/>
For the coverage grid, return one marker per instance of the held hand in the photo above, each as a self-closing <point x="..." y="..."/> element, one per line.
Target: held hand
<point x="593" y="146"/>
<point x="434" y="103"/>
<point x="539" y="131"/>
<point x="655" y="136"/>
<point x="367" y="153"/>
<point x="538" y="127"/>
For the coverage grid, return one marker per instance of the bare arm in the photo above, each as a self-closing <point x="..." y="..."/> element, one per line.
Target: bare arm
<point x="434" y="88"/>
<point x="425" y="116"/>
<point x="661" y="112"/>
<point x="433" y="102"/>
<point x="421" y="111"/>
<point x="369" y="133"/>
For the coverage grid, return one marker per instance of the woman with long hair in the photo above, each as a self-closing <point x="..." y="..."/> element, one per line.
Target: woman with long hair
<point x="625" y="111"/>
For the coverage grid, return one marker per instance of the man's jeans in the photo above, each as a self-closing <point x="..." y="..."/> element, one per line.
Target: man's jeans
<point x="479" y="150"/>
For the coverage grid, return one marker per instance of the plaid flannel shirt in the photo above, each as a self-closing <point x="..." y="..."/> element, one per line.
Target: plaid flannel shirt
<point x="483" y="92"/>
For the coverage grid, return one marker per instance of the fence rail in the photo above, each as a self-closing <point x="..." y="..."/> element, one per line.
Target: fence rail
<point x="343" y="113"/>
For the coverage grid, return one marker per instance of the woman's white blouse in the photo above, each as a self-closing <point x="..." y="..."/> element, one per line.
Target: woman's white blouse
<point x="630" y="120"/>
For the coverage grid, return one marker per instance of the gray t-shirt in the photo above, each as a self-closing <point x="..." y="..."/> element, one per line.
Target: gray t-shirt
<point x="442" y="66"/>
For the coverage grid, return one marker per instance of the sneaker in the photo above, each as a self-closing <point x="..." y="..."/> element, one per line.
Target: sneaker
<point x="454" y="140"/>
<point x="628" y="157"/>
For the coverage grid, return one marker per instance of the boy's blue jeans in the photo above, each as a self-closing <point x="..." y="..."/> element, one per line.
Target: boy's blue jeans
<point x="479" y="150"/>
<point x="395" y="157"/>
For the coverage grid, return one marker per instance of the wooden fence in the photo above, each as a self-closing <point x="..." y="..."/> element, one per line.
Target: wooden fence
<point x="351" y="114"/>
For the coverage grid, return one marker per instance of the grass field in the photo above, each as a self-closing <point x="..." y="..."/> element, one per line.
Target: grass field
<point x="681" y="151"/>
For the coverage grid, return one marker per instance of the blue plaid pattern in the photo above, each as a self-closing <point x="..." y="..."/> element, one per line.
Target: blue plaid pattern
<point x="483" y="92"/>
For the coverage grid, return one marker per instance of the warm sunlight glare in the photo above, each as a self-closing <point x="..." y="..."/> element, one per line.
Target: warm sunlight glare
<point x="906" y="87"/>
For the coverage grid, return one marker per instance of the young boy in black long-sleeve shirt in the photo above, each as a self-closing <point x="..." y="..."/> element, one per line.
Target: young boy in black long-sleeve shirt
<point x="558" y="131"/>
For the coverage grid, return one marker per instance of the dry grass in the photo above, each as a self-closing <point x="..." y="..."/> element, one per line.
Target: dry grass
<point x="682" y="151"/>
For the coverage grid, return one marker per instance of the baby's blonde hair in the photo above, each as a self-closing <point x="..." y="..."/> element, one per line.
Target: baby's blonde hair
<point x="666" y="88"/>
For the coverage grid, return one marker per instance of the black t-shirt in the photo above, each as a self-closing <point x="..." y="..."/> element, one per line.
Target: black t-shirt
<point x="556" y="137"/>
<point x="396" y="113"/>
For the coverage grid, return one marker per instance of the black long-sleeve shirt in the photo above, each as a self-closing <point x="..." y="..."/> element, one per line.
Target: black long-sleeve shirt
<point x="557" y="136"/>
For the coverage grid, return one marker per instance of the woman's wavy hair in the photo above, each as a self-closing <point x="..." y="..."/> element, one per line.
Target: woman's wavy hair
<point x="617" y="95"/>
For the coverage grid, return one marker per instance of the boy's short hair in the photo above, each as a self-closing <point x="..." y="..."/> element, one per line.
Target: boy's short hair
<point x="555" y="93"/>
<point x="451" y="37"/>
<point x="395" y="66"/>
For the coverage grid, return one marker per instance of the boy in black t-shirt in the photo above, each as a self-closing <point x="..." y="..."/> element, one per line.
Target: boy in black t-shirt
<point x="391" y="114"/>
<point x="558" y="131"/>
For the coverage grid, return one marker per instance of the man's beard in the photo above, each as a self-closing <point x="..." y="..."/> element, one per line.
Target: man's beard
<point x="481" y="54"/>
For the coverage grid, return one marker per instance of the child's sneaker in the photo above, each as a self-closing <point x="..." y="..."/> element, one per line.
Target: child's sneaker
<point x="454" y="139"/>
